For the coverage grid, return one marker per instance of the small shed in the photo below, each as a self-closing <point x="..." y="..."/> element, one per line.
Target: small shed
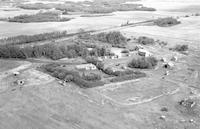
<point x="143" y="52"/>
<point x="86" y="67"/>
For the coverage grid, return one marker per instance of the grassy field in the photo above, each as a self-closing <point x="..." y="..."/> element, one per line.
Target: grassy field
<point x="157" y="101"/>
<point x="8" y="64"/>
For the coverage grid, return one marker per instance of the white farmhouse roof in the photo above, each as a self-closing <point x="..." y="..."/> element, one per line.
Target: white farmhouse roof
<point x="86" y="66"/>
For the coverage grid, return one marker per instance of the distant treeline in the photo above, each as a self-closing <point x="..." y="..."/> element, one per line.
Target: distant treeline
<point x="23" y="39"/>
<point x="93" y="7"/>
<point x="39" y="17"/>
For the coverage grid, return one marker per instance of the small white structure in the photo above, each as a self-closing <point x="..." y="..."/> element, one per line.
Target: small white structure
<point x="168" y="65"/>
<point x="143" y="52"/>
<point x="86" y="67"/>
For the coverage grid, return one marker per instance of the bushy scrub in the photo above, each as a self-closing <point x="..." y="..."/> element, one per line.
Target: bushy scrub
<point x="145" y="40"/>
<point x="165" y="22"/>
<point x="181" y="48"/>
<point x="143" y="62"/>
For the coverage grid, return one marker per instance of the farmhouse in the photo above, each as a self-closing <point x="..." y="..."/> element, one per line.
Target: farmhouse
<point x="86" y="67"/>
<point x="143" y="52"/>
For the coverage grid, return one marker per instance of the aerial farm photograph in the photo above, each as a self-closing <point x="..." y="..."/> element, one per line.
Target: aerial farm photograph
<point x="99" y="64"/>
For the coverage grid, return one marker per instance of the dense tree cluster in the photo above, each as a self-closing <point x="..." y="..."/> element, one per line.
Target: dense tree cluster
<point x="22" y="39"/>
<point x="165" y="22"/>
<point x="51" y="51"/>
<point x="143" y="62"/>
<point x="114" y="38"/>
